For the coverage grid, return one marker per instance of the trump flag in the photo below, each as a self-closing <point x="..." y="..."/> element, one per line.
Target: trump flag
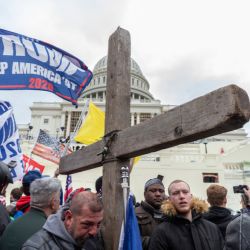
<point x="10" y="149"/>
<point x="30" y="64"/>
<point x="30" y="164"/>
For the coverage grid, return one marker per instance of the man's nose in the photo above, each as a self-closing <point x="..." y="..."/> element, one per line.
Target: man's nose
<point x="182" y="195"/>
<point x="93" y="231"/>
<point x="157" y="192"/>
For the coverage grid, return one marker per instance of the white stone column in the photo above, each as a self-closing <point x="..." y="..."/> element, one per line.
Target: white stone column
<point x="132" y="119"/>
<point x="138" y="118"/>
<point x="63" y="119"/>
<point x="68" y="124"/>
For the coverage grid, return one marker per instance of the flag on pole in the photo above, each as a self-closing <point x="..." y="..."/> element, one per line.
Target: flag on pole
<point x="30" y="164"/>
<point x="130" y="238"/>
<point x="48" y="147"/>
<point x="92" y="129"/>
<point x="132" y="162"/>
<point x="10" y="149"/>
<point x="68" y="187"/>
<point x="222" y="151"/>
<point x="30" y="64"/>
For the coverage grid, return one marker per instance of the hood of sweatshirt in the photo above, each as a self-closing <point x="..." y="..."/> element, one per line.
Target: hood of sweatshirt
<point x="23" y="204"/>
<point x="218" y="214"/>
<point x="55" y="226"/>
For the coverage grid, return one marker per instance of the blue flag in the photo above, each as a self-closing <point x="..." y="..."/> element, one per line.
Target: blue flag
<point x="30" y="64"/>
<point x="132" y="238"/>
<point x="10" y="149"/>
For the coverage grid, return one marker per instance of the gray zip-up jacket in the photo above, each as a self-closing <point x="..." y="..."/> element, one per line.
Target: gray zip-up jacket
<point x="52" y="236"/>
<point x="238" y="233"/>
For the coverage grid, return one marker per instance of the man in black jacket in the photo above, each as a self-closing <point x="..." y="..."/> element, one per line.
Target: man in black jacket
<point x="184" y="227"/>
<point x="148" y="213"/>
<point x="5" y="179"/>
<point x="218" y="213"/>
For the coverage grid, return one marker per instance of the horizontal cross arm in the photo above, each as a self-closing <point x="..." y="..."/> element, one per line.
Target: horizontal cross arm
<point x="220" y="111"/>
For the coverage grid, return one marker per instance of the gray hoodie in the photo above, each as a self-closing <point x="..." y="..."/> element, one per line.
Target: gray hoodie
<point x="238" y="233"/>
<point x="52" y="236"/>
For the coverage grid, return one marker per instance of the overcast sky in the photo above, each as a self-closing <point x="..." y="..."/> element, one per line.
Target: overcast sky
<point x="184" y="48"/>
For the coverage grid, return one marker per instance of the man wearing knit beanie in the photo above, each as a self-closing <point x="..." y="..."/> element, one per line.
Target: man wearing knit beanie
<point x="148" y="213"/>
<point x="23" y="204"/>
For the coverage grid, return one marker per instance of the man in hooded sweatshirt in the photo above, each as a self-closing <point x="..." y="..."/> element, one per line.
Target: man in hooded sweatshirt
<point x="238" y="230"/>
<point x="69" y="229"/>
<point x="184" y="227"/>
<point x="218" y="213"/>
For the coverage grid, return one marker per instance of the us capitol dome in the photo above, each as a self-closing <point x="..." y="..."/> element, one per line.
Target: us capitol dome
<point x="223" y="158"/>
<point x="60" y="119"/>
<point x="97" y="87"/>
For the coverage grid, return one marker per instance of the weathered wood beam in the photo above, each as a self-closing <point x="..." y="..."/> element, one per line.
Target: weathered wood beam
<point x="220" y="111"/>
<point x="117" y="118"/>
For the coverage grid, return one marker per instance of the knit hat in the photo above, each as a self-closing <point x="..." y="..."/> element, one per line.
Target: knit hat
<point x="31" y="176"/>
<point x="151" y="182"/>
<point x="5" y="175"/>
<point x="98" y="185"/>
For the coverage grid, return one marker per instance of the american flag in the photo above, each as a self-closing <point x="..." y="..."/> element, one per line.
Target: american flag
<point x="68" y="187"/>
<point x="48" y="147"/>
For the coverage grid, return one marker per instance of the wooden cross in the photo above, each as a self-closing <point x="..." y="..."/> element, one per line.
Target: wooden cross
<point x="220" y="111"/>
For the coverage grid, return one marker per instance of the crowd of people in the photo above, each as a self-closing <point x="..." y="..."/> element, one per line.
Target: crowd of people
<point x="35" y="217"/>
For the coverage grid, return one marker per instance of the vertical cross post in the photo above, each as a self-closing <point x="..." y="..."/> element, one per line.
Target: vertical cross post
<point x="117" y="118"/>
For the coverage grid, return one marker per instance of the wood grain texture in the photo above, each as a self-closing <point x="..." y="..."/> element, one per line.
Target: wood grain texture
<point x="220" y="111"/>
<point x="117" y="118"/>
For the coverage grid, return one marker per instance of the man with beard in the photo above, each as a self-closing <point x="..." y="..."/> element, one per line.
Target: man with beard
<point x="148" y="213"/>
<point x="184" y="227"/>
<point x="71" y="228"/>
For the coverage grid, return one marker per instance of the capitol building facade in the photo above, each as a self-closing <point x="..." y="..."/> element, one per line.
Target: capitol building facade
<point x="222" y="159"/>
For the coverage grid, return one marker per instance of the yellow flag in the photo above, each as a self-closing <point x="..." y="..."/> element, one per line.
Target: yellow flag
<point x="92" y="129"/>
<point x="132" y="162"/>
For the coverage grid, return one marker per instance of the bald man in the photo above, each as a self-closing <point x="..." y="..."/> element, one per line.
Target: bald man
<point x="70" y="229"/>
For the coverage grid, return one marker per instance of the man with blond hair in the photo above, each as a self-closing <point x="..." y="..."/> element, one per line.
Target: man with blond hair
<point x="184" y="227"/>
<point x="218" y="213"/>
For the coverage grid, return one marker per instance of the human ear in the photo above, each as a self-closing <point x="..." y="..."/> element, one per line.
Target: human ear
<point x="53" y="204"/>
<point x="67" y="218"/>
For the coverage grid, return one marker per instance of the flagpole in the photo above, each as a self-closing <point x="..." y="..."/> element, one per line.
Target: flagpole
<point x="125" y="188"/>
<point x="79" y="122"/>
<point x="33" y="146"/>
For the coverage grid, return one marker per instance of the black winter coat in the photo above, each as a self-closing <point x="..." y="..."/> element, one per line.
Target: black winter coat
<point x="148" y="218"/>
<point x="178" y="233"/>
<point x="4" y="219"/>
<point x="220" y="216"/>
